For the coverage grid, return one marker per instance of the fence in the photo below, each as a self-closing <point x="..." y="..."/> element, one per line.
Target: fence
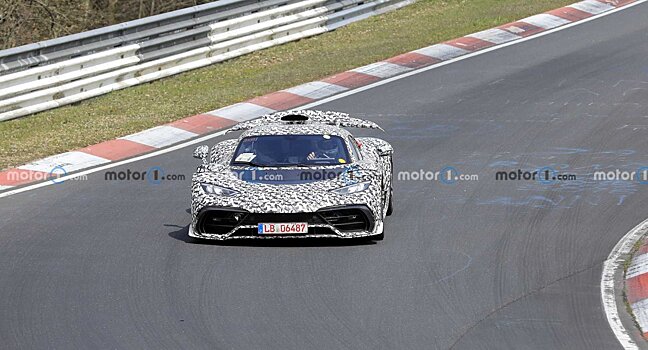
<point x="57" y="72"/>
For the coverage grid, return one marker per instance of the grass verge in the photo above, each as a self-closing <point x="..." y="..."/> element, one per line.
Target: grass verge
<point x="134" y="109"/>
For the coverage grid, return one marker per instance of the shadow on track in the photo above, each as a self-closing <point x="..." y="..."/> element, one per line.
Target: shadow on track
<point x="182" y="235"/>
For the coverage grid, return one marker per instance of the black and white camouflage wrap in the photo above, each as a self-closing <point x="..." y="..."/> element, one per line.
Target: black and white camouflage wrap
<point x="259" y="197"/>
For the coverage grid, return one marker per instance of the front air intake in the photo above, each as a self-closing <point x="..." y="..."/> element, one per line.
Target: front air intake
<point x="219" y="221"/>
<point x="348" y="219"/>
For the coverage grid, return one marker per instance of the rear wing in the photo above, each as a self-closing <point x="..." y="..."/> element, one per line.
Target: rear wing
<point x="338" y="119"/>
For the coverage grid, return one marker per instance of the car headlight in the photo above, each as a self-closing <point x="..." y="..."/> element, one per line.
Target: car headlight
<point x="217" y="190"/>
<point x="355" y="188"/>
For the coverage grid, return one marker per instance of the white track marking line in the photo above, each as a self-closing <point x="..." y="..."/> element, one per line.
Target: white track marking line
<point x="326" y="100"/>
<point x="467" y="56"/>
<point x="608" y="297"/>
<point x="116" y="164"/>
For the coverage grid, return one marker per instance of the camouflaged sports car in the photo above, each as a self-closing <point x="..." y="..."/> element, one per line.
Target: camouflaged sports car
<point x="294" y="174"/>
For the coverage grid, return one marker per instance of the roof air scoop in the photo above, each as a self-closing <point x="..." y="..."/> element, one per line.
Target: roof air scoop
<point x="294" y="118"/>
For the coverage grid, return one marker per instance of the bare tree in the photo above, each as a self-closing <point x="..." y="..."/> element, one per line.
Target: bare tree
<point x="27" y="21"/>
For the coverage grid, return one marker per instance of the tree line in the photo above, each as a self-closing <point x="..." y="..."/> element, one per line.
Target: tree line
<point x="28" y="21"/>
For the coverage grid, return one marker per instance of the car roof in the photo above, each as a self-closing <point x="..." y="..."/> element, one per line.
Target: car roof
<point x="304" y="120"/>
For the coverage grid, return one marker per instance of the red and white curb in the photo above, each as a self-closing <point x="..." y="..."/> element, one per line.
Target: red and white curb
<point x="612" y="281"/>
<point x="636" y="287"/>
<point x="197" y="125"/>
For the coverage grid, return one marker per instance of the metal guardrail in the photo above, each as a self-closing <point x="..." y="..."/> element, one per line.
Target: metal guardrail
<point x="140" y="30"/>
<point x="57" y="72"/>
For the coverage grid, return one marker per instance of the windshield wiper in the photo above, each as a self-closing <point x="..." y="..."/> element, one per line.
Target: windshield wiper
<point x="291" y="164"/>
<point x="279" y="165"/>
<point x="303" y="164"/>
<point x="250" y="163"/>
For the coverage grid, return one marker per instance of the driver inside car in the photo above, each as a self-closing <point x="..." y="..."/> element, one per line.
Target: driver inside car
<point x="326" y="148"/>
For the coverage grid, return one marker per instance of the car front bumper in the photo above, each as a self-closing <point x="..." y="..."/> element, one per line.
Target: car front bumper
<point x="333" y="222"/>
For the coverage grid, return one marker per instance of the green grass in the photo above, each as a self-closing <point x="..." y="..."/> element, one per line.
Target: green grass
<point x="134" y="109"/>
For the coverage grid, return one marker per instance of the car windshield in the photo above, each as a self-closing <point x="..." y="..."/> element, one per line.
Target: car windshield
<point x="291" y="150"/>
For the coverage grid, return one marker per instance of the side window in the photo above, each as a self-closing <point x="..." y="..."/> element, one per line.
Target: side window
<point x="354" y="148"/>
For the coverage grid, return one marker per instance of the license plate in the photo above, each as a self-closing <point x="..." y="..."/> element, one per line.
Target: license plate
<point x="291" y="228"/>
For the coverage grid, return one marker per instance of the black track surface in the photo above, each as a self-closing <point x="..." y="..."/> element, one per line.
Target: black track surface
<point x="475" y="265"/>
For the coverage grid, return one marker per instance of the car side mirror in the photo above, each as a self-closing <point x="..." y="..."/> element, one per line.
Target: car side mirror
<point x="384" y="151"/>
<point x="202" y="153"/>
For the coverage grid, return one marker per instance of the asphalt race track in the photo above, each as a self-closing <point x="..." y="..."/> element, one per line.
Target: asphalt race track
<point x="480" y="264"/>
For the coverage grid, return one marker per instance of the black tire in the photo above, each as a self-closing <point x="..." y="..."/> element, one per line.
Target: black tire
<point x="390" y="207"/>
